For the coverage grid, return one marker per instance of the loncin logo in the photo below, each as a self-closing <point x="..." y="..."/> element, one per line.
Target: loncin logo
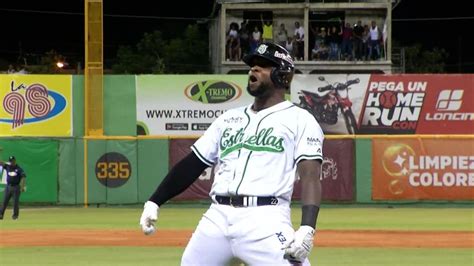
<point x="213" y="91"/>
<point x="31" y="104"/>
<point x="447" y="105"/>
<point x="449" y="100"/>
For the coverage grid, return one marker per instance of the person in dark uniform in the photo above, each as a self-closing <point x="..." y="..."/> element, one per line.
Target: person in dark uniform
<point x="15" y="185"/>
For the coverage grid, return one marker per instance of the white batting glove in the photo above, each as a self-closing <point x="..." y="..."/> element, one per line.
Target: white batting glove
<point x="149" y="217"/>
<point x="301" y="245"/>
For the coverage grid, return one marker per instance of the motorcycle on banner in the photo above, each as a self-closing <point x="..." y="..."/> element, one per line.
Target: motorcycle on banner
<point x="327" y="103"/>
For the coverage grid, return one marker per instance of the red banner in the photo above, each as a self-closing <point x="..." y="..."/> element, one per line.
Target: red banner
<point x="430" y="169"/>
<point x="178" y="149"/>
<point x="337" y="176"/>
<point x="418" y="104"/>
<point x="337" y="171"/>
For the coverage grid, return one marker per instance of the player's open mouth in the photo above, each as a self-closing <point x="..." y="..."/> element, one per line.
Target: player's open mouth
<point x="253" y="79"/>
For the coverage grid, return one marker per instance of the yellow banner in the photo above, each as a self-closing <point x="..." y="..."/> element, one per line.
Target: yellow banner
<point x="36" y="105"/>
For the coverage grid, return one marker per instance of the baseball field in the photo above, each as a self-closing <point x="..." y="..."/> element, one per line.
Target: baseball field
<point x="347" y="235"/>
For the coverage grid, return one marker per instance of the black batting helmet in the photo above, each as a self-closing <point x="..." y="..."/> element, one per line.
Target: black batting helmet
<point x="283" y="69"/>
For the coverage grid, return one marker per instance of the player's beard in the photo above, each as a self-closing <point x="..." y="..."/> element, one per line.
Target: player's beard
<point x="262" y="90"/>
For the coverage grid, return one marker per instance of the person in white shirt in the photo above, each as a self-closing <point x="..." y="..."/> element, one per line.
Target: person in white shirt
<point x="299" y="41"/>
<point x="374" y="42"/>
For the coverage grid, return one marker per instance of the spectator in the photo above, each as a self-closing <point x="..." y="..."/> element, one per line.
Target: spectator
<point x="299" y="41"/>
<point x="357" y="40"/>
<point x="346" y="46"/>
<point x="334" y="40"/>
<point x="234" y="48"/>
<point x="244" y="38"/>
<point x="11" y="69"/>
<point x="289" y="45"/>
<point x="267" y="28"/>
<point x="320" y="50"/>
<point x="365" y="42"/>
<point x="314" y="32"/>
<point x="256" y="39"/>
<point x="282" y="35"/>
<point x="374" y="42"/>
<point x="233" y="42"/>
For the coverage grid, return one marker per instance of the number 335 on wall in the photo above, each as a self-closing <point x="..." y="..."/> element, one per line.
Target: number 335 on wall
<point x="113" y="169"/>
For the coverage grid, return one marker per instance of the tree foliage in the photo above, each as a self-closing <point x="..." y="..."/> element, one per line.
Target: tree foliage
<point x="145" y="58"/>
<point x="419" y="60"/>
<point x="155" y="55"/>
<point x="47" y="63"/>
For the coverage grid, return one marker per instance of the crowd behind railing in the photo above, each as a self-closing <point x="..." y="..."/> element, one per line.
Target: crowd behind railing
<point x="328" y="41"/>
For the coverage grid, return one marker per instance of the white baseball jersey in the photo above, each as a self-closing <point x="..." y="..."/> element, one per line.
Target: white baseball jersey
<point x="257" y="153"/>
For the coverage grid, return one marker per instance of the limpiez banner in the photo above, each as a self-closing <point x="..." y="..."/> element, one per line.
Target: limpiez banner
<point x="186" y="105"/>
<point x="429" y="169"/>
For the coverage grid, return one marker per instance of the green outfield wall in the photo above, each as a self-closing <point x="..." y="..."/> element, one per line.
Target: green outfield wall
<point x="39" y="160"/>
<point x="118" y="171"/>
<point x="363" y="170"/>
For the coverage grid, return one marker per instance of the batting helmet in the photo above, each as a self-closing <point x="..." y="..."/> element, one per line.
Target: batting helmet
<point x="283" y="66"/>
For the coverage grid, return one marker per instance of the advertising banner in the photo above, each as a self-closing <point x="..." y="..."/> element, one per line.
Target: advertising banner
<point x="337" y="177"/>
<point x="179" y="148"/>
<point x="186" y="105"/>
<point x="430" y="169"/>
<point x="337" y="171"/>
<point x="418" y="104"/>
<point x="388" y="104"/>
<point x="334" y="100"/>
<point x="36" y="105"/>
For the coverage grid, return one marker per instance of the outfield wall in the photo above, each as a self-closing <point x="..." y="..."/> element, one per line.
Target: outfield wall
<point x="122" y="168"/>
<point x="125" y="171"/>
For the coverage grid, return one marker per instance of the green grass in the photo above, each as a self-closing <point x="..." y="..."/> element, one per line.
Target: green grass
<point x="453" y="219"/>
<point x="171" y="256"/>
<point x="183" y="217"/>
<point x="90" y="256"/>
<point x="391" y="257"/>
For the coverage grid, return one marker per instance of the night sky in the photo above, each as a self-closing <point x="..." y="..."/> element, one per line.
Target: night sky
<point x="34" y="27"/>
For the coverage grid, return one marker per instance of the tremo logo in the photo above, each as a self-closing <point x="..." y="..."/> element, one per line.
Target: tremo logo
<point x="213" y="91"/>
<point x="31" y="104"/>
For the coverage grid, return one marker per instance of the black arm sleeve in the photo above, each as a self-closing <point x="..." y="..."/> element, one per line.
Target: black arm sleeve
<point x="309" y="215"/>
<point x="180" y="177"/>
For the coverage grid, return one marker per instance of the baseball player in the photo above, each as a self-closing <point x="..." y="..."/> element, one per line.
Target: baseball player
<point x="258" y="150"/>
<point x="15" y="185"/>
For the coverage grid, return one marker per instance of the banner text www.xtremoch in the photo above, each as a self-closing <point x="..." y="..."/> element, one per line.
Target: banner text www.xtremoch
<point x="175" y="113"/>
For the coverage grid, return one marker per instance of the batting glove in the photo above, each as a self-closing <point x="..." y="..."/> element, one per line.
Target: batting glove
<point x="149" y="217"/>
<point x="301" y="245"/>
